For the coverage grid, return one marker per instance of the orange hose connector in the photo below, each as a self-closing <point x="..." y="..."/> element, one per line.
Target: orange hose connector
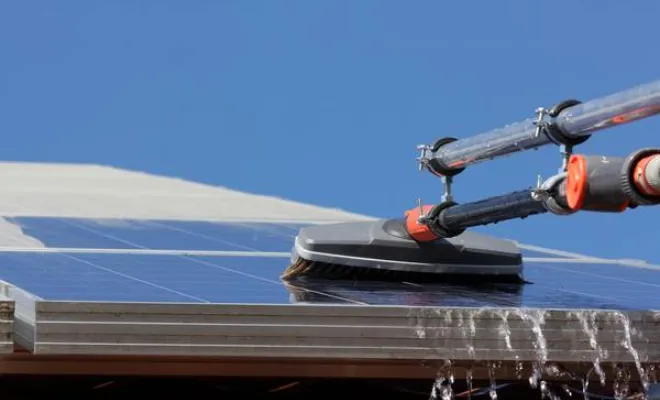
<point x="646" y="175"/>
<point x="419" y="232"/>
<point x="593" y="183"/>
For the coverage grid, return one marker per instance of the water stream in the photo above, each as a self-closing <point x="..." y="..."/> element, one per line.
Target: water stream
<point x="468" y="381"/>
<point x="628" y="345"/>
<point x="442" y="387"/>
<point x="588" y="321"/>
<point x="536" y="318"/>
<point x="493" y="384"/>
<point x="621" y="382"/>
<point x="467" y="323"/>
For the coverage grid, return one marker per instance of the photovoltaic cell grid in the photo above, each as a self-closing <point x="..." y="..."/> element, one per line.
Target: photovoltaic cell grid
<point x="164" y="235"/>
<point x="157" y="235"/>
<point x="251" y="279"/>
<point x="164" y="278"/>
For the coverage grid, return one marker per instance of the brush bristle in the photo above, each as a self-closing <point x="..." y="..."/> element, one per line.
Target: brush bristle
<point x="298" y="268"/>
<point x="302" y="268"/>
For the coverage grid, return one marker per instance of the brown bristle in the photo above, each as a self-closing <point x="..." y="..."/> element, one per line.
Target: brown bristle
<point x="302" y="268"/>
<point x="298" y="268"/>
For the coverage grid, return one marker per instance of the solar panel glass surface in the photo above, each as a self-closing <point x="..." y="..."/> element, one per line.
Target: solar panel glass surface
<point x="170" y="235"/>
<point x="145" y="278"/>
<point x="552" y="285"/>
<point x="255" y="280"/>
<point x="166" y="235"/>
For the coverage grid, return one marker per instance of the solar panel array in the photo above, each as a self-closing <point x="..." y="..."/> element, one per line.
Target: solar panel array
<point x="213" y="262"/>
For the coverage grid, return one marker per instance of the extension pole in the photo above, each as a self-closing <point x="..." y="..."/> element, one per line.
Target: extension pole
<point x="570" y="122"/>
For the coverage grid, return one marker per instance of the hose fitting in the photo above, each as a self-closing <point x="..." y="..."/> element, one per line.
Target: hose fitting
<point x="593" y="184"/>
<point x="640" y="177"/>
<point x="432" y="227"/>
<point x="609" y="184"/>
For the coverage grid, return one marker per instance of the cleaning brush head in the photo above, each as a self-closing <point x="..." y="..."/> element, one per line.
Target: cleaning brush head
<point x="383" y="250"/>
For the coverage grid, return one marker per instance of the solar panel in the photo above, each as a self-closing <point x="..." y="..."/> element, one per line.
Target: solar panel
<point x="255" y="280"/>
<point x="168" y="235"/>
<point x="591" y="285"/>
<point x="542" y="254"/>
<point x="145" y="278"/>
<point x="551" y="285"/>
<point x="241" y="279"/>
<point x="188" y="235"/>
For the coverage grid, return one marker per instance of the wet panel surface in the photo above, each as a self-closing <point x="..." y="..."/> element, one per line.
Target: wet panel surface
<point x="238" y="279"/>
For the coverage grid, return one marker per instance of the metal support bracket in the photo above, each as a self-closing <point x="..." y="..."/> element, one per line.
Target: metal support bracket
<point x="447" y="181"/>
<point x="566" y="151"/>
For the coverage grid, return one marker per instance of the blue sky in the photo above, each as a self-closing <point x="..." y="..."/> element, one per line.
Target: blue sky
<point x="325" y="101"/>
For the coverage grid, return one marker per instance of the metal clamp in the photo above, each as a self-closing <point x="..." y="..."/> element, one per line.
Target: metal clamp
<point x="543" y="127"/>
<point x="540" y="193"/>
<point x="541" y="123"/>
<point x="423" y="218"/>
<point x="423" y="161"/>
<point x="546" y="192"/>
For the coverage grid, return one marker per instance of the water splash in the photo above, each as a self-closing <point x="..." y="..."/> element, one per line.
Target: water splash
<point x="519" y="368"/>
<point x="537" y="319"/>
<point x="585" y="387"/>
<point x="653" y="377"/>
<point x="588" y="322"/>
<point x="546" y="393"/>
<point x="628" y="345"/>
<point x="505" y="332"/>
<point x="535" y="376"/>
<point x="471" y="352"/>
<point x="544" y="390"/>
<point x="448" y="318"/>
<point x="468" y="381"/>
<point x="443" y="383"/>
<point x="621" y="383"/>
<point x="493" y="384"/>
<point x="469" y="330"/>
<point x="555" y="371"/>
<point x="461" y="324"/>
<point x="471" y="324"/>
<point x="420" y="321"/>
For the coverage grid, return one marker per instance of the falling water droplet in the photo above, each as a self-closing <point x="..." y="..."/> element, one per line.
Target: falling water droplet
<point x="471" y="352"/>
<point x="621" y="383"/>
<point x="536" y="318"/>
<point x="519" y="368"/>
<point x="628" y="345"/>
<point x="585" y="387"/>
<point x="505" y="331"/>
<point x="443" y="383"/>
<point x="493" y="384"/>
<point x="588" y="322"/>
<point x="468" y="381"/>
<point x="544" y="390"/>
<point x="535" y="376"/>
